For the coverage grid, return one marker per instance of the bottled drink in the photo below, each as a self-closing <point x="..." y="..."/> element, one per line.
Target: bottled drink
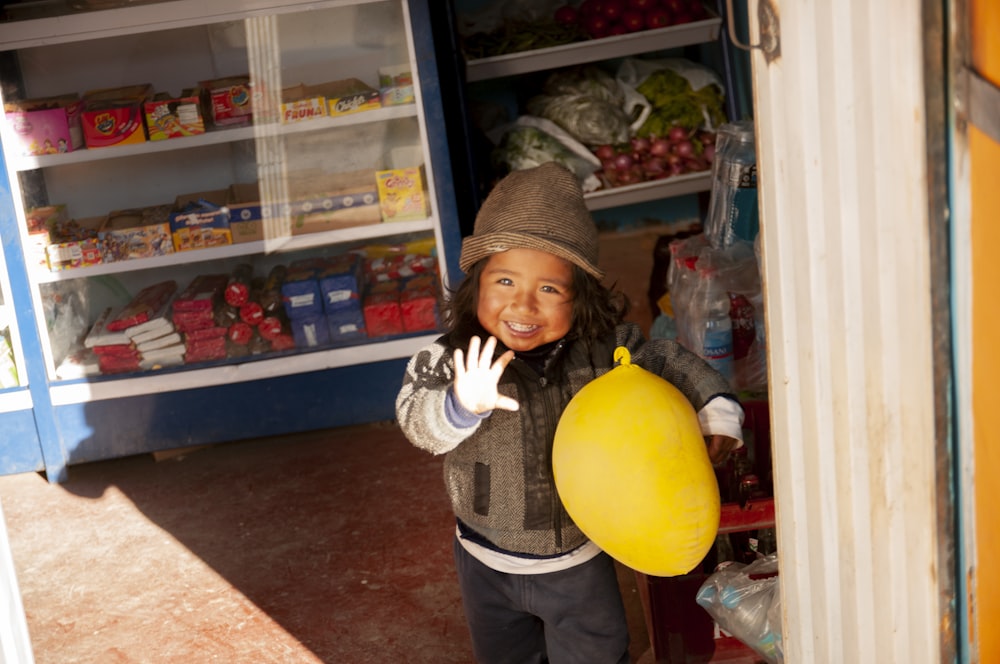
<point x="732" y="207"/>
<point x="716" y="329"/>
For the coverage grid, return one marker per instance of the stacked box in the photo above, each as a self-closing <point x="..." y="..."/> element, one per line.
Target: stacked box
<point x="173" y="117"/>
<point x="401" y="194"/>
<point x="41" y="221"/>
<point x="396" y="85"/>
<point x="194" y="317"/>
<point x="200" y="220"/>
<point x="48" y="125"/>
<point x="228" y="101"/>
<point x="74" y="243"/>
<point x="246" y="222"/>
<point x="383" y="315"/>
<point x="114" y="116"/>
<point x="303" y="303"/>
<point x="340" y="287"/>
<point x="136" y="233"/>
<point x="419" y="304"/>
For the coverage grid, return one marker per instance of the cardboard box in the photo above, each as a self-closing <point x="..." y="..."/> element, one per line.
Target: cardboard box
<point x="332" y="201"/>
<point x="349" y="96"/>
<point x="228" y="101"/>
<point x="299" y="103"/>
<point x="401" y="194"/>
<point x="173" y="117"/>
<point x="75" y="244"/>
<point x="305" y="102"/>
<point x="200" y="220"/>
<point x="396" y="85"/>
<point x="136" y="233"/>
<point x="246" y="220"/>
<point x="113" y="116"/>
<point x="42" y="221"/>
<point x="46" y="125"/>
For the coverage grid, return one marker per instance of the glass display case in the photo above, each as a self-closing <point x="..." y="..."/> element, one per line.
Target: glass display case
<point x="217" y="198"/>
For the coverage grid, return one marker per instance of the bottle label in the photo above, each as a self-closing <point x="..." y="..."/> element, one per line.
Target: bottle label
<point x="717" y="349"/>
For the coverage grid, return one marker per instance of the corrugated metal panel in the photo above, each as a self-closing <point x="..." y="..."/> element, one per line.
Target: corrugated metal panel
<point x="842" y="169"/>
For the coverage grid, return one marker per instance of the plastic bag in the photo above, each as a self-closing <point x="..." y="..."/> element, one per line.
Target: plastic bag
<point x="745" y="600"/>
<point x="696" y="105"/>
<point x="531" y="141"/>
<point x="585" y="101"/>
<point x="735" y="268"/>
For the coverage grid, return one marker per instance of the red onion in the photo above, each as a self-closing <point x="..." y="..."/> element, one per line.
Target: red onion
<point x="684" y="148"/>
<point x="677" y="134"/>
<point x="659" y="147"/>
<point x="623" y="162"/>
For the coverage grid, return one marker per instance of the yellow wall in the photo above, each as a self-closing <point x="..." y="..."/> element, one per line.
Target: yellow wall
<point x="985" y="165"/>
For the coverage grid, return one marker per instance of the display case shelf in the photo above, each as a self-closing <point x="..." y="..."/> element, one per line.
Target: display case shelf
<point x="230" y="372"/>
<point x="214" y="137"/>
<point x="284" y="244"/>
<point x="593" y="50"/>
<point x="58" y="22"/>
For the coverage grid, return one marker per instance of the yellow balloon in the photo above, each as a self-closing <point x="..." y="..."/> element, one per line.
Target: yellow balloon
<point x="632" y="469"/>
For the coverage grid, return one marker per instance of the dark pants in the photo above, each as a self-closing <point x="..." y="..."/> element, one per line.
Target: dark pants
<point x="573" y="616"/>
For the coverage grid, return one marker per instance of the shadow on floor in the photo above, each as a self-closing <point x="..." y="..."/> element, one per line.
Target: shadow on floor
<point x="331" y="546"/>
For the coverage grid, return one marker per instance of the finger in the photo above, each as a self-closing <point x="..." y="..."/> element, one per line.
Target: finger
<point x="474" y="352"/>
<point x="506" y="403"/>
<point x="486" y="356"/>
<point x="501" y="364"/>
<point x="459" y="362"/>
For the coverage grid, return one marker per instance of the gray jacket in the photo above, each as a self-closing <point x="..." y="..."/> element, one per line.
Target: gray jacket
<point x="498" y="472"/>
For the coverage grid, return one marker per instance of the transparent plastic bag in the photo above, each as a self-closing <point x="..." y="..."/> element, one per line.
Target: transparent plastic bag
<point x="745" y="600"/>
<point x="735" y="268"/>
<point x="531" y="141"/>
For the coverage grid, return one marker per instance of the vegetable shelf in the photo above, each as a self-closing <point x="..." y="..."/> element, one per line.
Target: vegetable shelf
<point x="678" y="185"/>
<point x="593" y="50"/>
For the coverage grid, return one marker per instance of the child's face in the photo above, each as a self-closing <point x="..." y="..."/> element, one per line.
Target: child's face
<point x="526" y="298"/>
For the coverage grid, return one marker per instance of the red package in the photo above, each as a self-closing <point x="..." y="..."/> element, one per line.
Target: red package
<point x="252" y="313"/>
<point x="419" y="309"/>
<point x="114" y="364"/>
<point x="118" y="350"/>
<point x="143" y="306"/>
<point x="205" y="333"/>
<point x="240" y="333"/>
<point x="270" y="327"/>
<point x="189" y="321"/>
<point x="238" y="289"/>
<point x="383" y="315"/>
<point x="202" y="293"/>
<point x="283" y="341"/>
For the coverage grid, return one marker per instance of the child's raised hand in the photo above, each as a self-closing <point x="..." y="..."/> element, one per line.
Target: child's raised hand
<point x="476" y="379"/>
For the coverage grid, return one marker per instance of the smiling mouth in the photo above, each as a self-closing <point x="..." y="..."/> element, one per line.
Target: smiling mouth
<point x="521" y="328"/>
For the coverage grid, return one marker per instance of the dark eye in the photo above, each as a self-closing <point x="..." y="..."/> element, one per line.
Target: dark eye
<point x="505" y="281"/>
<point x="550" y="289"/>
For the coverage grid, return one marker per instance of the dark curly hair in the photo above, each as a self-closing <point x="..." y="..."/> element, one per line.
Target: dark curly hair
<point x="597" y="309"/>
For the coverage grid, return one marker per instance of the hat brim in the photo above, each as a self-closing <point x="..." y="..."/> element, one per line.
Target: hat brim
<point x="478" y="247"/>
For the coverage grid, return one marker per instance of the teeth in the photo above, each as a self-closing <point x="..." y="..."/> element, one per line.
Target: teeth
<point x="518" y="327"/>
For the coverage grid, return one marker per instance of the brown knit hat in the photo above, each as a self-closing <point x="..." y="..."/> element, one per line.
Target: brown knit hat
<point x="536" y="208"/>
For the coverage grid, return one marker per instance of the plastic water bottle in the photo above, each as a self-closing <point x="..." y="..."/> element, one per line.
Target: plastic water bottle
<point x="716" y="334"/>
<point x="732" y="206"/>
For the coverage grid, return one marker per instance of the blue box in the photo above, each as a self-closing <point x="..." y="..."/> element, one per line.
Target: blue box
<point x="346" y="323"/>
<point x="339" y="283"/>
<point x="301" y="295"/>
<point x="200" y="220"/>
<point x="310" y="331"/>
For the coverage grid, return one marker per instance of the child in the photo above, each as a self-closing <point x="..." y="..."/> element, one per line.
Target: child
<point x="530" y="326"/>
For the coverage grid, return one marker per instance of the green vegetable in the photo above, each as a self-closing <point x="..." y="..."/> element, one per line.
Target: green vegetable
<point x="525" y="147"/>
<point x="516" y="36"/>
<point x="676" y="104"/>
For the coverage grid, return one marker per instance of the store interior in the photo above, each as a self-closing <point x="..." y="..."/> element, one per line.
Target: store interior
<point x="149" y="515"/>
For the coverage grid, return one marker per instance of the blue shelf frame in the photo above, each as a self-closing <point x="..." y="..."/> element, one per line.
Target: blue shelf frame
<point x="50" y="438"/>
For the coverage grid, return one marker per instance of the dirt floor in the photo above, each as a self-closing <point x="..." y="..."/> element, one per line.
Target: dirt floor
<point x="333" y="546"/>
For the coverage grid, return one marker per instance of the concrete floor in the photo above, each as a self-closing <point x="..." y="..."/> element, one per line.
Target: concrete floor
<point x="333" y="546"/>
